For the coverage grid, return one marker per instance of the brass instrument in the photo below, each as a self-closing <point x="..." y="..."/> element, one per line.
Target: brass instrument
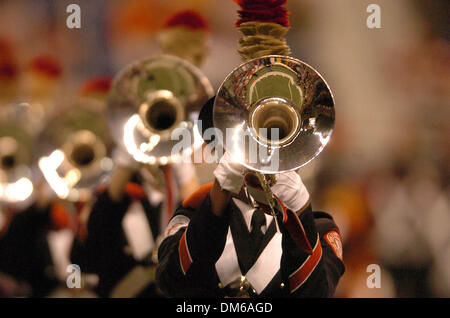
<point x="17" y="156"/>
<point x="152" y="98"/>
<point x="276" y="114"/>
<point x="76" y="145"/>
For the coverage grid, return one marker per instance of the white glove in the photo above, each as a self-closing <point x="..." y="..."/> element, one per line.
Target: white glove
<point x="290" y="189"/>
<point x="229" y="174"/>
<point x="124" y="159"/>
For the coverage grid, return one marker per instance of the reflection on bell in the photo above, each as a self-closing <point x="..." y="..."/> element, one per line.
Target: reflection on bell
<point x="276" y="114"/>
<point x="152" y="98"/>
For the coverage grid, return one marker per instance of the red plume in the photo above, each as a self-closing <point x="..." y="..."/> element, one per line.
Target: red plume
<point x="46" y="65"/>
<point x="189" y="19"/>
<point x="8" y="69"/>
<point x="270" y="11"/>
<point x="101" y="84"/>
<point x="8" y="63"/>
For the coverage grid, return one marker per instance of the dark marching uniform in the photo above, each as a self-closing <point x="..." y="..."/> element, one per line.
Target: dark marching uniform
<point x="105" y="250"/>
<point x="25" y="252"/>
<point x="208" y="256"/>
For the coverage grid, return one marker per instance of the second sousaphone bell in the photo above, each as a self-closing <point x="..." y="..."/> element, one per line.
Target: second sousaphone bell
<point x="149" y="99"/>
<point x="77" y="146"/>
<point x="278" y="92"/>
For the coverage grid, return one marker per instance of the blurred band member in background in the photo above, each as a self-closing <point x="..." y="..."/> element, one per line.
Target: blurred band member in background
<point x="27" y="224"/>
<point x="124" y="224"/>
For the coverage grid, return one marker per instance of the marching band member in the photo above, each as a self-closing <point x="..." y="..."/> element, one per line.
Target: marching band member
<point x="29" y="215"/>
<point x="185" y="35"/>
<point x="24" y="250"/>
<point x="123" y="228"/>
<point x="220" y="244"/>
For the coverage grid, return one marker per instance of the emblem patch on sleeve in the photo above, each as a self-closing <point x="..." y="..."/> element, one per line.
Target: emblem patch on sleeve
<point x="176" y="223"/>
<point x="333" y="238"/>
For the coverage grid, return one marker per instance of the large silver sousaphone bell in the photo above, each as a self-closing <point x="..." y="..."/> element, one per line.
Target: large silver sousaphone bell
<point x="151" y="98"/>
<point x="276" y="114"/>
<point x="17" y="165"/>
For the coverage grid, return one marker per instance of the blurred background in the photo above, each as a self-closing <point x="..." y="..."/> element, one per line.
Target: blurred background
<point x="383" y="176"/>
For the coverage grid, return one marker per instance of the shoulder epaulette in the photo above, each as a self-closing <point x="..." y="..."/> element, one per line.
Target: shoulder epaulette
<point x="195" y="199"/>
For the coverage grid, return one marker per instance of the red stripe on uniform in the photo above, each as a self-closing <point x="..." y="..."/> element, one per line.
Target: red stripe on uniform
<point x="297" y="278"/>
<point x="297" y="232"/>
<point x="185" y="256"/>
<point x="169" y="190"/>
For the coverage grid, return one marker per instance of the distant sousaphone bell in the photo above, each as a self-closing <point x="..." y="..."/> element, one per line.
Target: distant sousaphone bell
<point x="76" y="149"/>
<point x="151" y="98"/>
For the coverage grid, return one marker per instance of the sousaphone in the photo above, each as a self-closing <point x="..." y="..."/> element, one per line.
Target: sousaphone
<point x="276" y="114"/>
<point x="75" y="151"/>
<point x="149" y="100"/>
<point x="17" y="166"/>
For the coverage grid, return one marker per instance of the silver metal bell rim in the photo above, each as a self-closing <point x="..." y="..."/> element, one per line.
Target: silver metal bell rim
<point x="275" y="92"/>
<point x="150" y="103"/>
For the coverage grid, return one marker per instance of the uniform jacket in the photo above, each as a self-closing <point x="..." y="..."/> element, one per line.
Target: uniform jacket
<point x="203" y="254"/>
<point x="105" y="249"/>
<point x="25" y="252"/>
